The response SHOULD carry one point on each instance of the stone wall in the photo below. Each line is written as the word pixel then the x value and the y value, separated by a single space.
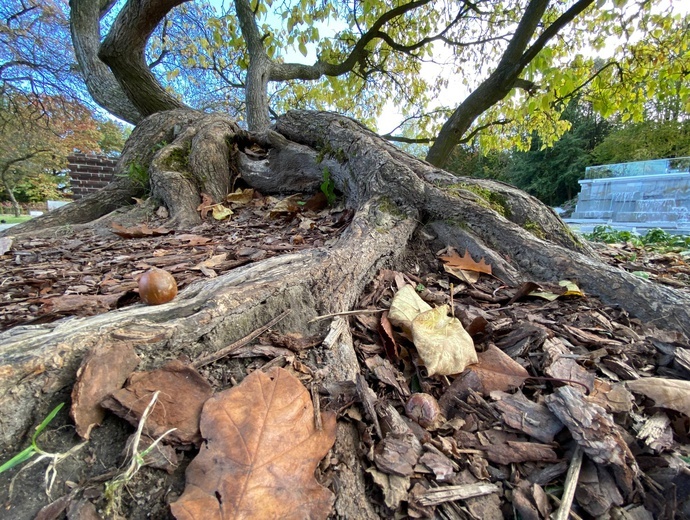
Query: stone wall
pixel 655 200
pixel 89 173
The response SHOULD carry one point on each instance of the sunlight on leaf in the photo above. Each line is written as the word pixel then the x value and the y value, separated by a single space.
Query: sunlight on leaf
pixel 261 450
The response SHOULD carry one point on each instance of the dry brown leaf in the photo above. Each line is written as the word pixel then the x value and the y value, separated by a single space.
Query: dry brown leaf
pixel 103 371
pixel 140 231
pixel 466 262
pixel 286 205
pixel 496 370
pixel 261 452
pixel 405 307
pixel 463 275
pixel 183 392
pixel 667 393
pixel 442 342
pixel 193 240
pixel 206 205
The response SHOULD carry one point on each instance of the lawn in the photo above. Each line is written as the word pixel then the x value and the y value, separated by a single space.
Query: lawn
pixel 11 219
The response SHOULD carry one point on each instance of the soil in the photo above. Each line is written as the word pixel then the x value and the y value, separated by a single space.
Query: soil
pixel 605 342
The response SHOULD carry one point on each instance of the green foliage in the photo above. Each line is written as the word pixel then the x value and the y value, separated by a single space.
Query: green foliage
pixel 113 137
pixel 645 140
pixel 138 174
pixel 33 448
pixel 655 239
pixel 328 186
pixel 41 187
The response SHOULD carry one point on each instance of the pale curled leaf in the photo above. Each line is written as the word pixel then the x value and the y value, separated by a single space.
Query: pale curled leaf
pixel 442 342
pixel 221 212
pixel 667 393
pixel 405 307
pixel 260 455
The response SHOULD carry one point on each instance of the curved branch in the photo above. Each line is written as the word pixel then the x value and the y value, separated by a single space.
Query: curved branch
pixel 123 51
pixel 100 82
pixel 504 78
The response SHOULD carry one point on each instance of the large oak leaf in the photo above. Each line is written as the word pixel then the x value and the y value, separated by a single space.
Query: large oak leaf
pixel 260 455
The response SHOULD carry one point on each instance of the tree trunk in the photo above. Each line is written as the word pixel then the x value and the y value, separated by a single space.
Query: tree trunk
pixel 8 189
pixel 394 197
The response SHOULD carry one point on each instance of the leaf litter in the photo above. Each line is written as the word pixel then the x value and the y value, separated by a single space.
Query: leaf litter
pixel 560 395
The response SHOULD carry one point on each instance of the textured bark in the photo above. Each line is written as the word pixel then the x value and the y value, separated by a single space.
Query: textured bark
pixel 393 195
pixel 123 51
pixel 85 17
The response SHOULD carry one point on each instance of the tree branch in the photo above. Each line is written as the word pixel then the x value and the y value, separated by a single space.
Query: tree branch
pixel 123 51
pixel 100 82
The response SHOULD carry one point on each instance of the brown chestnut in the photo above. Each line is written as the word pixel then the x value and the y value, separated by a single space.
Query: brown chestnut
pixel 157 286
pixel 424 410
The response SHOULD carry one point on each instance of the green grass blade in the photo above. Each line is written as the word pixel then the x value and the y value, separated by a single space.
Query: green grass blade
pixel 46 421
pixel 18 459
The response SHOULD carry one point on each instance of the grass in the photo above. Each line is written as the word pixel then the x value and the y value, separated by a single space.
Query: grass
pixel 11 219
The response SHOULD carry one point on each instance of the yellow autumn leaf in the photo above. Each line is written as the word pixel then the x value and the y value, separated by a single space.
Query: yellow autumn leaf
pixel 442 342
pixel 221 212
pixel 405 307
pixel 240 196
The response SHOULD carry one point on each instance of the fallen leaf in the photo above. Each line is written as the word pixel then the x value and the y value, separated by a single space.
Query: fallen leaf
pixel 495 370
pixel 205 206
pixel 260 454
pixel 221 212
pixel 462 274
pixel 442 342
pixel 405 307
pixel 102 372
pixel 566 288
pixel 466 262
pixel 240 197
pixel 183 392
pixel 287 205
pixel 212 262
pixel 193 240
pixel 667 393
pixel 140 231
pixel 385 331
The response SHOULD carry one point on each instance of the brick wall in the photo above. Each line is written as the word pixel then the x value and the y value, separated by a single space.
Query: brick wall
pixel 89 173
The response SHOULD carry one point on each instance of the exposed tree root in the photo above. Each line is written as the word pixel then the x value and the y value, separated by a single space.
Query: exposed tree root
pixel 394 195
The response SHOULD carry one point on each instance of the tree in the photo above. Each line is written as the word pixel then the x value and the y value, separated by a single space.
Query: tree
pixel 391 193
pixel 551 173
pixel 37 133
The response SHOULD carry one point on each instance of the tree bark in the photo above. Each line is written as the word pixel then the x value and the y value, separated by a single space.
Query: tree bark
pixel 85 16
pixel 394 196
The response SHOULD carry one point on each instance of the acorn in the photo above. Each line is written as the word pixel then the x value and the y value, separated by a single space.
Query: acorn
pixel 424 410
pixel 157 286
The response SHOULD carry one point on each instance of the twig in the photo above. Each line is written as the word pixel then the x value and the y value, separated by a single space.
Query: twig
pixel 347 313
pixel 570 485
pixel 557 500
pixel 219 354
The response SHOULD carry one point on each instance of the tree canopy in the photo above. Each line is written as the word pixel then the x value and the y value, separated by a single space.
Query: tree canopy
pixel 519 65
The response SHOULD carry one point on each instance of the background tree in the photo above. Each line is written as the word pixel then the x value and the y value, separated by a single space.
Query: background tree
pixel 36 136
